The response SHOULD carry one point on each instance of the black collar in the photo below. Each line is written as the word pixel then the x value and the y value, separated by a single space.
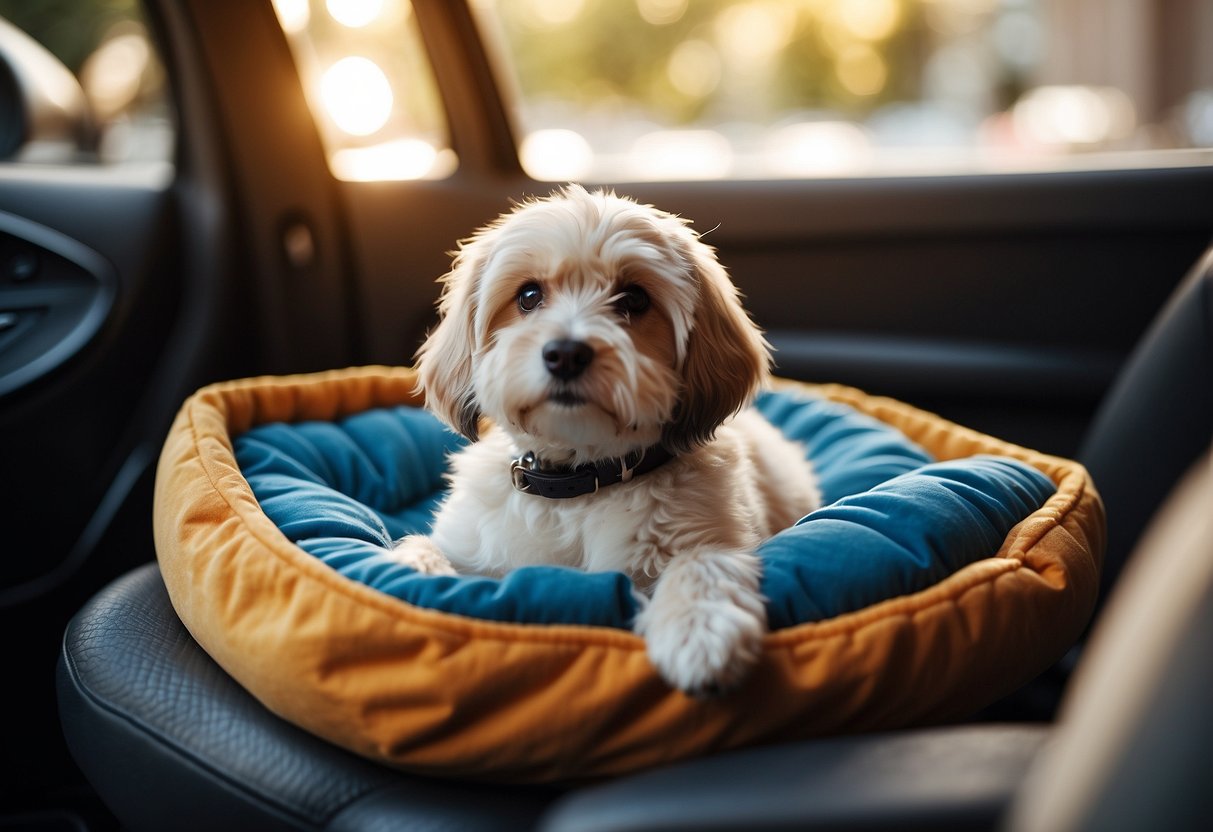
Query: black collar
pixel 563 482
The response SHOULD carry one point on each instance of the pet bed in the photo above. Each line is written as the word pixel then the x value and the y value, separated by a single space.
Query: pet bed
pixel 945 569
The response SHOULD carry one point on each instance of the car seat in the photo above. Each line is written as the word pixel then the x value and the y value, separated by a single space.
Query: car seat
pixel 168 740
pixel 1156 419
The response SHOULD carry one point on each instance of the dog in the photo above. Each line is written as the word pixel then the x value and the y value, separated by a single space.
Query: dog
pixel 599 355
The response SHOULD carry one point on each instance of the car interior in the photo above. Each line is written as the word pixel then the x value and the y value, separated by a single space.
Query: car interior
pixel 222 232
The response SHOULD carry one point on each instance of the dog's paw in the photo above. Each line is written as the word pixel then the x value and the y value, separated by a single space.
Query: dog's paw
pixel 419 552
pixel 704 647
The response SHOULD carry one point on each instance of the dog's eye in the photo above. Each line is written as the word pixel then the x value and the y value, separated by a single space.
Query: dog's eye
pixel 631 300
pixel 529 297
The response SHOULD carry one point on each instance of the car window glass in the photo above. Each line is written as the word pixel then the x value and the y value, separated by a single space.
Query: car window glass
pixel 109 66
pixel 370 86
pixel 706 89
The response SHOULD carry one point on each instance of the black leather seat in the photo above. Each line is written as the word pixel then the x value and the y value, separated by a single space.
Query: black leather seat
pixel 171 742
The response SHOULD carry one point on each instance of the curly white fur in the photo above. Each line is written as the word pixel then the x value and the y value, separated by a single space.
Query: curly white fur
pixel 679 371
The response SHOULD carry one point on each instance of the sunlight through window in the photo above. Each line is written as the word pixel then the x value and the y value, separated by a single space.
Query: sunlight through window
pixel 357 96
pixel 371 88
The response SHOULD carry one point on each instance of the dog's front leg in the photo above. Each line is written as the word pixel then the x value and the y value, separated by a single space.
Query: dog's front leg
pixel 705 623
pixel 421 553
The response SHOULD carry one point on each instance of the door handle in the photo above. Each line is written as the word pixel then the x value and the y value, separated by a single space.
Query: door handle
pixel 55 294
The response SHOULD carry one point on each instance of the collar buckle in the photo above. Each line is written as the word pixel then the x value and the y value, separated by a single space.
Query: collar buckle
pixel 518 469
pixel 625 472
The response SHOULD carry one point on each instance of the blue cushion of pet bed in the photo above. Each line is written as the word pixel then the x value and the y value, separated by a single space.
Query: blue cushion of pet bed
pixel 893 521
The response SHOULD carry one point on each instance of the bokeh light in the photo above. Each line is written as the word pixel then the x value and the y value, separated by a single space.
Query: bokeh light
pixel 1074 115
pixel 398 159
pixel 356 95
pixel 682 155
pixel 661 12
pixel 753 33
pixel 826 148
pixel 870 20
pixel 354 13
pixel 113 74
pixel 694 68
pixel 556 155
pixel 861 70
pixel 554 13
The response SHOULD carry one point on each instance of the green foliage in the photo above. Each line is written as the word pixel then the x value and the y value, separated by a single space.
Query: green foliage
pixel 607 52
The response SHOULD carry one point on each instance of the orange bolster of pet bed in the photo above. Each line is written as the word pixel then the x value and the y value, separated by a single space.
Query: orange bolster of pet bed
pixel 444 694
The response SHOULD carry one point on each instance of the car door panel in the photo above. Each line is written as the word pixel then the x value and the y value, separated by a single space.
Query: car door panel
pixel 118 233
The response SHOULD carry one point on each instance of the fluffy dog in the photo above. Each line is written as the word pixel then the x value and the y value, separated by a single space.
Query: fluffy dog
pixel 614 362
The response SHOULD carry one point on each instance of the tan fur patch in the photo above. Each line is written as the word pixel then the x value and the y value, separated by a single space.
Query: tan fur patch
pixel 506 314
pixel 653 335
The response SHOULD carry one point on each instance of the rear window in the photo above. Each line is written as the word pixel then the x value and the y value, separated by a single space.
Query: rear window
pixel 707 89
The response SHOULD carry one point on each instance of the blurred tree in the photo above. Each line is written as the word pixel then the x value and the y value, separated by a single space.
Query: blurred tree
pixel 752 60
pixel 69 29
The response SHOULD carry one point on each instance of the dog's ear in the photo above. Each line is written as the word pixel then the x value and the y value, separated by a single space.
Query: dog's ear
pixel 444 361
pixel 727 359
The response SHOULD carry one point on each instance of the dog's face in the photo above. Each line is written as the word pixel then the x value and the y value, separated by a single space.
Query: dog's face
pixel 587 326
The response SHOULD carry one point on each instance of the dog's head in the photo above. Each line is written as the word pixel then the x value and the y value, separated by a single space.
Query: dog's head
pixel 587 326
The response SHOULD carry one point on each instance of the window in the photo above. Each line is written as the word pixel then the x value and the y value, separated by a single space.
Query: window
pixel 96 71
pixel 370 86
pixel 613 90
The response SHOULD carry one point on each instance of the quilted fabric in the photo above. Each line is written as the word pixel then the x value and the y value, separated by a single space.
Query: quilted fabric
pixel 455 695
pixel 343 491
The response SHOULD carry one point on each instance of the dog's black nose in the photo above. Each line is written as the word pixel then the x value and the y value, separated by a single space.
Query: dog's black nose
pixel 566 358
